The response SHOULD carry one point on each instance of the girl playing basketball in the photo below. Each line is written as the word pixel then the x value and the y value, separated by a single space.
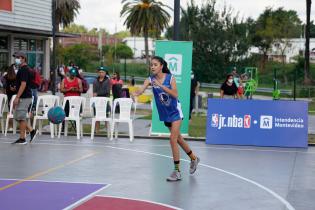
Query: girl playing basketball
pixel 169 109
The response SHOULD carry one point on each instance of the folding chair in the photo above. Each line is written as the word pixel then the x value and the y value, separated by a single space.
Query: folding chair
pixel 124 115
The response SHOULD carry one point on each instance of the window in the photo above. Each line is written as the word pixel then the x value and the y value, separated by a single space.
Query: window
pixel 4 53
pixel 6 5
pixel 4 43
pixel 34 48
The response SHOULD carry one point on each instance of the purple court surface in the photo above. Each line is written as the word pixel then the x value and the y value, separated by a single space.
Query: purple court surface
pixel 73 173
pixel 31 195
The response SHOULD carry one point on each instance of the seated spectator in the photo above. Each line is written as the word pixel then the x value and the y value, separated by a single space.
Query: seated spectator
pixel 228 88
pixel 71 86
pixel 101 88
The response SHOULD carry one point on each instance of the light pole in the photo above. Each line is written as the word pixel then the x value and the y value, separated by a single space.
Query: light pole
pixel 176 19
pixel 53 65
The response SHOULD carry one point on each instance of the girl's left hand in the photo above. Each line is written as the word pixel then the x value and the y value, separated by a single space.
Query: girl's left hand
pixel 156 83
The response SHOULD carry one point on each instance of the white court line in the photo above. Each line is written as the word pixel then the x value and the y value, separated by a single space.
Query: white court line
pixel 85 198
pixel 274 194
pixel 146 201
pixel 167 145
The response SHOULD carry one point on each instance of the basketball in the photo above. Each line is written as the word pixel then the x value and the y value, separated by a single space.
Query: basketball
pixel 56 115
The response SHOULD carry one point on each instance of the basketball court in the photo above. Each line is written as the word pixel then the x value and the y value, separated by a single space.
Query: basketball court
pixel 71 174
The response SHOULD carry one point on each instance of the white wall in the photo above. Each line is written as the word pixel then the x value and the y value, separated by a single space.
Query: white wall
pixel 32 14
pixel 137 45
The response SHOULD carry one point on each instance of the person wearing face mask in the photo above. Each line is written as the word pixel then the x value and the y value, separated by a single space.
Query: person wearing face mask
pixel 228 88
pixel 23 99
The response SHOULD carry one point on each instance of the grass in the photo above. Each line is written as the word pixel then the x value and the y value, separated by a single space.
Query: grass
pixel 311 138
pixel 197 126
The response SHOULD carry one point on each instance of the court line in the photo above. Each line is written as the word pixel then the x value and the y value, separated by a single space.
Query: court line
pixel 48 171
pixel 167 145
pixel 274 194
pixel 85 198
pixel 146 201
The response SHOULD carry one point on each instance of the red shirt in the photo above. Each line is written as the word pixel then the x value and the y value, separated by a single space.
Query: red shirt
pixel 69 84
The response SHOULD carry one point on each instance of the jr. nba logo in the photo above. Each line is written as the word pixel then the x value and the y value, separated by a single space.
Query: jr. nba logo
pixel 215 120
pixel 246 121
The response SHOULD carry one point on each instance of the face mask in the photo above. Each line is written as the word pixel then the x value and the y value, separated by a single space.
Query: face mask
pixel 230 80
pixel 15 70
pixel 17 61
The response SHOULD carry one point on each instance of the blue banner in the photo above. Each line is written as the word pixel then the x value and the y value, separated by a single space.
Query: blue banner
pixel 257 122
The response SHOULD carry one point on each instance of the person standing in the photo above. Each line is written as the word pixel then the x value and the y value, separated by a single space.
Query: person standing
pixel 23 99
pixel 101 88
pixel 10 83
pixel 169 109
pixel 193 92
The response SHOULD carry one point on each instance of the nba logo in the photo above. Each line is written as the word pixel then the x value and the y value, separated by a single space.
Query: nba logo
pixel 215 120
pixel 247 121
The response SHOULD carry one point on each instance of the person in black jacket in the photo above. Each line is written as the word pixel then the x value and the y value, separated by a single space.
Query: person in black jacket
pixel 228 88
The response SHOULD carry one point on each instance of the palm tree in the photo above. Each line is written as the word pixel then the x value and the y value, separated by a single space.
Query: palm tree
pixel 66 11
pixel 143 16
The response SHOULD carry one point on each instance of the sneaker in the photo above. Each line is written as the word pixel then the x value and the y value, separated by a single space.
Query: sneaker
pixel 193 165
pixel 175 176
pixel 33 133
pixel 20 141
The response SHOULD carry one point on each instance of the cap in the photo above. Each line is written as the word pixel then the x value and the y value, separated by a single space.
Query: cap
pixel 73 72
pixel 19 54
pixel 102 68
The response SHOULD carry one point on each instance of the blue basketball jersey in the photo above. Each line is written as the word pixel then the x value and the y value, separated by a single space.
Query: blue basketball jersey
pixel 168 107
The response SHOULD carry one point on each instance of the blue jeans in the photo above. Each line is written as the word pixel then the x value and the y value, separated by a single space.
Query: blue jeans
pixel 34 94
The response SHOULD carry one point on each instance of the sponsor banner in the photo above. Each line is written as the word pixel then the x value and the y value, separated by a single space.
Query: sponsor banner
pixel 257 122
pixel 178 56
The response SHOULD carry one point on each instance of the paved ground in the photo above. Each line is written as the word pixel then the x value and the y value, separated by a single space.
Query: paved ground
pixel 229 177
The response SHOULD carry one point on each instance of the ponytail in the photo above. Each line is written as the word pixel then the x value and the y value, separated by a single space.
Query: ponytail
pixel 164 63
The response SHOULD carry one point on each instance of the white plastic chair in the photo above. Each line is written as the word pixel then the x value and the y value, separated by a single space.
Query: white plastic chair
pixel 3 103
pixel 11 116
pixel 48 101
pixel 125 105
pixel 100 105
pixel 75 104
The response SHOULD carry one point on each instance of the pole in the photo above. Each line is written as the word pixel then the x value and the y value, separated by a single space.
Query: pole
pixel 294 85
pixel 176 19
pixel 125 69
pixel 53 66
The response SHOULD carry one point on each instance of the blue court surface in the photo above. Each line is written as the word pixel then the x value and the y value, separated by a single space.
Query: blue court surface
pixel 85 175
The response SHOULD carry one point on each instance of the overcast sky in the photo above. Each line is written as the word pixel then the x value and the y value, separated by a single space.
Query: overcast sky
pixel 106 13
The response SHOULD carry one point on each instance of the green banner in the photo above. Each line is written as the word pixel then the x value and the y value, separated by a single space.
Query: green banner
pixel 178 55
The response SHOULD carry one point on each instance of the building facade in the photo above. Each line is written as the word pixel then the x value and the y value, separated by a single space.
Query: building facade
pixel 137 46
pixel 88 39
pixel 26 26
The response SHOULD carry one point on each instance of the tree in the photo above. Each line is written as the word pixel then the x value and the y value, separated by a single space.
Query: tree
pixel 276 27
pixel 220 39
pixel 66 11
pixel 80 54
pixel 123 51
pixel 74 28
pixel 122 34
pixel 143 16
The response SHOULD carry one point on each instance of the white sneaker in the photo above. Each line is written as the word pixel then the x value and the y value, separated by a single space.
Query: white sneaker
pixel 193 165
pixel 175 176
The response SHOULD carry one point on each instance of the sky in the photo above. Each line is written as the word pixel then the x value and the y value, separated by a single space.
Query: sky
pixel 106 13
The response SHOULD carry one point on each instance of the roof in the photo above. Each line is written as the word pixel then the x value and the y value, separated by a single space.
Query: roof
pixel 21 30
